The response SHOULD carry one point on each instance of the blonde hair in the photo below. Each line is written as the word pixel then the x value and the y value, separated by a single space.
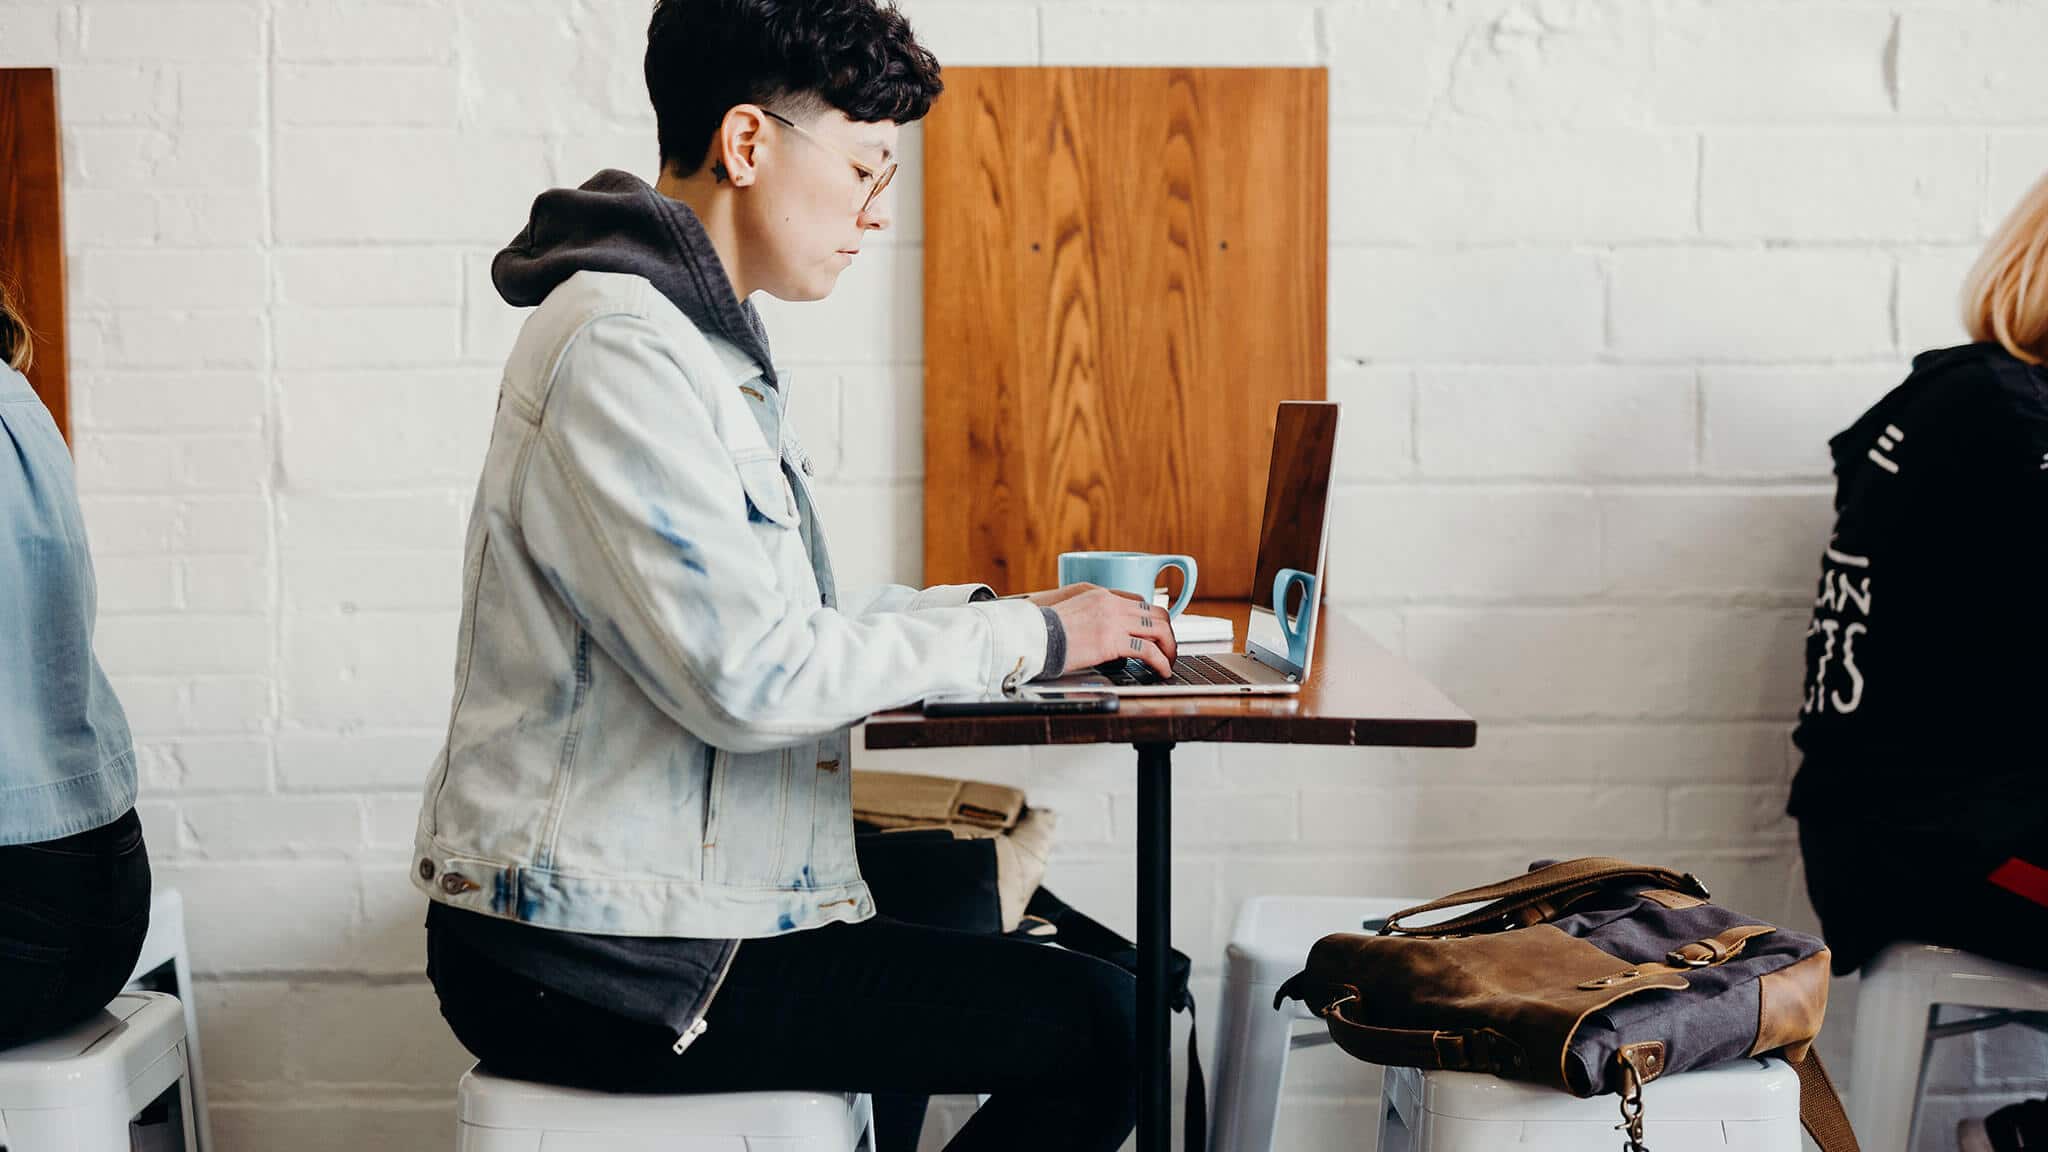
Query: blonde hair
pixel 2006 296
pixel 15 351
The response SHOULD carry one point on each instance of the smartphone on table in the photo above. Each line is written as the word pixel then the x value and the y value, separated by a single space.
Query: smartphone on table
pixel 1042 703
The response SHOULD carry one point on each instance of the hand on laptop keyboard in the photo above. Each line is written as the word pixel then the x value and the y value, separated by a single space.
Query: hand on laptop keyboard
pixel 1200 670
pixel 1101 624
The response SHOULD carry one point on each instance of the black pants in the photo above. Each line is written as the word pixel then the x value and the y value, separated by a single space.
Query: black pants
pixel 1873 884
pixel 73 913
pixel 880 1007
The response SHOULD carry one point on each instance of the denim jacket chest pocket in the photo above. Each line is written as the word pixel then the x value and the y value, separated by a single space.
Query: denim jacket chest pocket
pixel 769 500
pixel 772 515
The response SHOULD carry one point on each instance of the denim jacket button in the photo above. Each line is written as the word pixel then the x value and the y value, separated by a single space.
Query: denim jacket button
pixel 426 869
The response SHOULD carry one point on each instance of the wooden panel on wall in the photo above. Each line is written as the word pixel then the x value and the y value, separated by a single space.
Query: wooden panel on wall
pixel 1124 274
pixel 32 225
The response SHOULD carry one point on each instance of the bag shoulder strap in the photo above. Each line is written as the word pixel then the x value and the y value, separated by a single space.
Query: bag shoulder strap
pixel 1544 885
pixel 1820 1108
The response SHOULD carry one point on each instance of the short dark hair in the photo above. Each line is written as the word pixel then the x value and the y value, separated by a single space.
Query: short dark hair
pixel 705 56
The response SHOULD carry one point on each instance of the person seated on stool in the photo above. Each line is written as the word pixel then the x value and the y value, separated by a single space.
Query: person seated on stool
pixel 638 839
pixel 1922 797
pixel 74 875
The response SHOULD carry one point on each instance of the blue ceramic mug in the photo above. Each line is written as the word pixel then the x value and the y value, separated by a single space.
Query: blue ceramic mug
pixel 1133 572
pixel 1297 626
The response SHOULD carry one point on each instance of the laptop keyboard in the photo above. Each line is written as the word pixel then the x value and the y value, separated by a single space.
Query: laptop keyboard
pixel 1202 670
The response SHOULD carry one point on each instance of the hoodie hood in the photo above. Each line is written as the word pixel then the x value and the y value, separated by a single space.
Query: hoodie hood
pixel 617 222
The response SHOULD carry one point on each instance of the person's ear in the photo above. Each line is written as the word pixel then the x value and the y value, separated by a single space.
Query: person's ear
pixel 739 135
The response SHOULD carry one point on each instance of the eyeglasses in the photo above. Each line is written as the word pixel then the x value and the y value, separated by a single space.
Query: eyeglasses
pixel 880 177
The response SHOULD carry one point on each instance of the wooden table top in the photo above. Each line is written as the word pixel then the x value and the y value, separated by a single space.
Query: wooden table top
pixel 1358 693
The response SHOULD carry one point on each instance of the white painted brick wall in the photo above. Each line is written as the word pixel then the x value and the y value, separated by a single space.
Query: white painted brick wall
pixel 1750 304
pixel 1843 185
pixel 1775 63
pixel 1605 275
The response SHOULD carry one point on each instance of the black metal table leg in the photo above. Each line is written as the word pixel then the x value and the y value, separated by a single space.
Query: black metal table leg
pixel 1155 942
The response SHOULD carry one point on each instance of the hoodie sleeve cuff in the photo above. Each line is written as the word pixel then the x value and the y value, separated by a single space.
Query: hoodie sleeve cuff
pixel 1055 647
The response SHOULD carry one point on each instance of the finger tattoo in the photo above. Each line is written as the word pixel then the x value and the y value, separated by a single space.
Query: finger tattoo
pixel 1137 645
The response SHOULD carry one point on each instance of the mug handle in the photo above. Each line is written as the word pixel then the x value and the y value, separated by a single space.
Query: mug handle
pixel 1295 626
pixel 1186 564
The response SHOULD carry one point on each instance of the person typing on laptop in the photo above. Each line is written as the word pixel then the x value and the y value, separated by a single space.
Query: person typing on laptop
pixel 638 839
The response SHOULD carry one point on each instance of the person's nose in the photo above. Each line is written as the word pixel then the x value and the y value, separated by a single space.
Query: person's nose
pixel 875 217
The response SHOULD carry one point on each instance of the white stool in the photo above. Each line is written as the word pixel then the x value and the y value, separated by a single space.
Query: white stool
pixel 81 1090
pixel 1902 986
pixel 1747 1104
pixel 164 967
pixel 495 1114
pixel 1268 945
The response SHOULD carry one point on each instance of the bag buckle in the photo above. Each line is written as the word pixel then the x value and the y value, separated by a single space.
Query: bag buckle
pixel 1715 951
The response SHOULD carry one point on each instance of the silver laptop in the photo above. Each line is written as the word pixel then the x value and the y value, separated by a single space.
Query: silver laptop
pixel 1294 535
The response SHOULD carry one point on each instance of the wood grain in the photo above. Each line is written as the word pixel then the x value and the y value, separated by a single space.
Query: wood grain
pixel 1124 275
pixel 1358 694
pixel 32 226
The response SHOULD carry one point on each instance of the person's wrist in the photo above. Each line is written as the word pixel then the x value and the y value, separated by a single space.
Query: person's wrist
pixel 1055 646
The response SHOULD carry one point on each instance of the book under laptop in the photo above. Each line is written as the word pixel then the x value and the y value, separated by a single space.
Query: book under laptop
pixel 1293 540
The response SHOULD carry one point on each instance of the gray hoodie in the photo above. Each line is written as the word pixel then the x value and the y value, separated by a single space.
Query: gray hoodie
pixel 617 222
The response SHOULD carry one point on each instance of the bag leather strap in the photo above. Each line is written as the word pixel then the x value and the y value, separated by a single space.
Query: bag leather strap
pixel 1820 1108
pixel 1555 885
pixel 1482 1051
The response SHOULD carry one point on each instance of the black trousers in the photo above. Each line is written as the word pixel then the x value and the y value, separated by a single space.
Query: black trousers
pixel 73 913
pixel 1873 884
pixel 880 1007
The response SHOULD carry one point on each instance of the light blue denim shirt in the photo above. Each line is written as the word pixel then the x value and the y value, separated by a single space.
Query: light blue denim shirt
pixel 66 763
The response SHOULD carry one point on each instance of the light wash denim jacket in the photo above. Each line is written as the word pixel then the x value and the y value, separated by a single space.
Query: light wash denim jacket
pixel 652 712
pixel 66 764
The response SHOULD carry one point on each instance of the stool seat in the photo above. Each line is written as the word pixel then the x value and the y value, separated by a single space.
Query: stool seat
pixel 95 1059
pixel 77 1090
pixel 1751 1104
pixel 497 1112
pixel 1895 1028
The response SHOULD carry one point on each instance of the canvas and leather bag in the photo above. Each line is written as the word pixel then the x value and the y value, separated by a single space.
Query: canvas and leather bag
pixel 1592 975
pixel 1021 835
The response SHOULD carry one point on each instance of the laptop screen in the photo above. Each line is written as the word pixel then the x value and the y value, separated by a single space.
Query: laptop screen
pixel 1292 531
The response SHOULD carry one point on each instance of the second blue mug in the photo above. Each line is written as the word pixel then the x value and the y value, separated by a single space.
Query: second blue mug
pixel 1298 625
